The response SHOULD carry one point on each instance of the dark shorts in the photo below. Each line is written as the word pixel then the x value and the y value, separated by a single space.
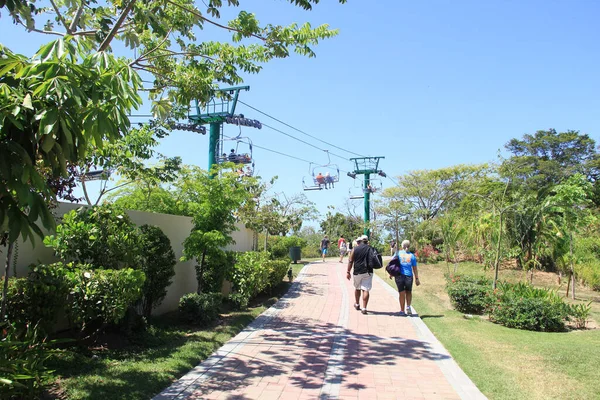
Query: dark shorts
pixel 404 283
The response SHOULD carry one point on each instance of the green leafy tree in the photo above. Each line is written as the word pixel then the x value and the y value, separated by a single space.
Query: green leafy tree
pixel 212 199
pixel 158 264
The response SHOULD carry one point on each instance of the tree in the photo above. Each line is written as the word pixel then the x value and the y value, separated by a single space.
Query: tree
pixel 336 224
pixel 393 212
pixel 211 199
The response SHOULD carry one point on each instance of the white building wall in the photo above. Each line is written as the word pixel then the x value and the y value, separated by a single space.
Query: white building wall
pixel 177 229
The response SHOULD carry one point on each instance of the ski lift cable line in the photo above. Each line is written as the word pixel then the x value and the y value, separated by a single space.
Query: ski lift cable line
pixel 298 130
pixel 283 154
pixel 305 142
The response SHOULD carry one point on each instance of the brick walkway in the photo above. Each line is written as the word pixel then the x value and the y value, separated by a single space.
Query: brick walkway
pixel 313 344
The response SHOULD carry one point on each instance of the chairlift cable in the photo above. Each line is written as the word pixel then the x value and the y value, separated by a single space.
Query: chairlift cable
pixel 298 130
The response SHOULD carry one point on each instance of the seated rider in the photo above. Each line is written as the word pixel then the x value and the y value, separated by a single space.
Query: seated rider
pixel 320 179
pixel 232 156
pixel 328 180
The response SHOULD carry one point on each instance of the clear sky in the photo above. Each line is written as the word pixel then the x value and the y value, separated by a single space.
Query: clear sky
pixel 426 84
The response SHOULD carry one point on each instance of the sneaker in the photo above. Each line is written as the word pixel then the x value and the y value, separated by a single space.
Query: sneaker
pixel 364 311
pixel 408 310
pixel 357 307
pixel 402 314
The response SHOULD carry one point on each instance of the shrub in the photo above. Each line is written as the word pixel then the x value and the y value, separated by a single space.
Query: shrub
pixel 589 273
pixel 534 314
pixel 580 314
pixel 23 354
pixel 158 264
pixel 238 301
pixel 249 275
pixel 102 236
pixel 200 309
pixel 216 269
pixel 279 246
pixel 37 299
pixel 469 294
pixel 103 296
pixel 277 270
pixel 427 254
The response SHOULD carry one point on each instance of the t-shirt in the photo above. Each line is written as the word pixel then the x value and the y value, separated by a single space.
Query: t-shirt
pixel 324 243
pixel 407 262
pixel 359 257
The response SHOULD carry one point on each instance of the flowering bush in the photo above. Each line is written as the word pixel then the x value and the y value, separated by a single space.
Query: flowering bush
pixel 427 254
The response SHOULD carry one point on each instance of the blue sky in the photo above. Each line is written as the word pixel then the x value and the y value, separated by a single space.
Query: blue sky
pixel 426 84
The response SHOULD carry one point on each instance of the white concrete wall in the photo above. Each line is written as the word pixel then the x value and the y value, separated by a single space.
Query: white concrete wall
pixel 177 229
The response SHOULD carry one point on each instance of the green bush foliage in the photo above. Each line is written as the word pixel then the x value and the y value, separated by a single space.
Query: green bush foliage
pixel 37 299
pixel 216 269
pixel 469 294
pixel 277 270
pixel 534 314
pixel 238 301
pixel 158 264
pixel 103 296
pixel 589 273
pixel 102 236
pixel 249 275
pixel 580 314
pixel 279 246
pixel 23 353
pixel 200 309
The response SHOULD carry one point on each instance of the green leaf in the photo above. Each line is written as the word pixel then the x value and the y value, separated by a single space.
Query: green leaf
pixel 27 102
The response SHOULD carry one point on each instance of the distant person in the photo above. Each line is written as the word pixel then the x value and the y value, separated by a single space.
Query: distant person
pixel 324 246
pixel 392 248
pixel 328 180
pixel 404 281
pixel 320 179
pixel 343 247
pixel 362 275
pixel 232 156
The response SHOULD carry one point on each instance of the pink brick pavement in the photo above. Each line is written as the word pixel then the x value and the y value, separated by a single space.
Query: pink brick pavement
pixel 314 345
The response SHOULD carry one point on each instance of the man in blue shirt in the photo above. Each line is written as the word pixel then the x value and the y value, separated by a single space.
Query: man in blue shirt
pixel 404 281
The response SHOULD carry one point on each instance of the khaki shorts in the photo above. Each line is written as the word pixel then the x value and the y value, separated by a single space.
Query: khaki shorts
pixel 363 282
pixel 343 251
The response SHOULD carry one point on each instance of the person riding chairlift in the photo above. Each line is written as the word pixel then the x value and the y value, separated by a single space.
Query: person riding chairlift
pixel 320 179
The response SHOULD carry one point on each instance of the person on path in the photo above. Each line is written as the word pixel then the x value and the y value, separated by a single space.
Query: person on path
pixel 392 248
pixel 324 246
pixel 343 246
pixel 363 275
pixel 404 281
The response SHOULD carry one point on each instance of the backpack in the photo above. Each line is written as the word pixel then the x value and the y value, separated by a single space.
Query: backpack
pixel 393 268
pixel 374 260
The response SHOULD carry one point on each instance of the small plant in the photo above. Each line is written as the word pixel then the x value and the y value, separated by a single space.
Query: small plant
pixel 580 313
pixel 23 354
pixel 277 270
pixel 249 275
pixel 200 309
pixel 427 254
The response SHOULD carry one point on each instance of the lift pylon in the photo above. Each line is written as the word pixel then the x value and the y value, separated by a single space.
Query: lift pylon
pixel 366 166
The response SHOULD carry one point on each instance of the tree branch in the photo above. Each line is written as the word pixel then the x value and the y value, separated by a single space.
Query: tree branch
pixel 203 18
pixel 60 17
pixel 77 17
pixel 41 31
pixel 111 35
pixel 143 56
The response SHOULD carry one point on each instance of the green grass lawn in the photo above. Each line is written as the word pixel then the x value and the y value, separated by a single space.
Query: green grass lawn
pixel 153 360
pixel 509 363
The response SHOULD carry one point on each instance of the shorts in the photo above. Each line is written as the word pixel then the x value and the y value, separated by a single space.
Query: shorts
pixel 324 251
pixel 404 283
pixel 363 282
pixel 343 251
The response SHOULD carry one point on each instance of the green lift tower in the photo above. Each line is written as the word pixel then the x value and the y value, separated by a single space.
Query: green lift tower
pixel 220 109
pixel 367 166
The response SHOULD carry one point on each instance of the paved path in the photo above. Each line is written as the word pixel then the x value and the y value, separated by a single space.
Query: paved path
pixel 313 344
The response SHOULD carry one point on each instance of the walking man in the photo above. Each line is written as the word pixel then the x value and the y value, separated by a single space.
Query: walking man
pixel 363 275
pixel 404 281
pixel 324 246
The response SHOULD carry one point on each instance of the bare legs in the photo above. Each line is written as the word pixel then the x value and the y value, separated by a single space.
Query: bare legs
pixel 404 297
pixel 365 297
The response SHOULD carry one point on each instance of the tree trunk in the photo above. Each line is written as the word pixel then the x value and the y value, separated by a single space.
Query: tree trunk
pixel 568 286
pixel 6 271
pixel 266 237
pixel 497 258
pixel 531 276
pixel 559 277
pixel 200 272
pixel 85 193
pixel 572 267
